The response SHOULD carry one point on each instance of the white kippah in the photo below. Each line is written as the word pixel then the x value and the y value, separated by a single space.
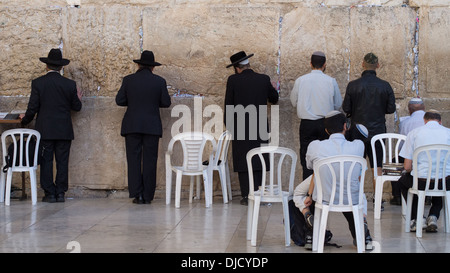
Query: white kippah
pixel 332 113
pixel 363 130
pixel 416 101
pixel 244 62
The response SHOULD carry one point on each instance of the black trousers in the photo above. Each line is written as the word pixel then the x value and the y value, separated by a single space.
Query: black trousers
pixel 309 131
pixel 244 182
pixel 406 182
pixel 142 157
pixel 60 150
pixel 348 216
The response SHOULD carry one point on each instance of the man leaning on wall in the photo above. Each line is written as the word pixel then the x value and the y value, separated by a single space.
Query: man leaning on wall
pixel 52 98
pixel 367 100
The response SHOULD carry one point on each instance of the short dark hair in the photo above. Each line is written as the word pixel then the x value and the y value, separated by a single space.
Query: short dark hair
pixel 54 67
pixel 318 61
pixel 432 115
pixel 335 124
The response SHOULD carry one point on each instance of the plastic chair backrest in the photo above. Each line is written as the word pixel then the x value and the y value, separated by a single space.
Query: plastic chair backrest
pixel 193 144
pixel 391 152
pixel 342 170
pixel 272 188
pixel 222 148
pixel 441 153
pixel 17 137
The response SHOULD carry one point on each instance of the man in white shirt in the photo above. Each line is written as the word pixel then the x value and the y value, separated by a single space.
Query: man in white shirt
pixel 431 133
pixel 336 126
pixel 314 94
pixel 416 111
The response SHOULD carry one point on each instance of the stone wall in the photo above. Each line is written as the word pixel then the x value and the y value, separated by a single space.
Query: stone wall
pixel 194 40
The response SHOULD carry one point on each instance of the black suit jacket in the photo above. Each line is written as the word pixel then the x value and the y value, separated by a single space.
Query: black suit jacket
pixel 52 98
pixel 144 93
pixel 248 89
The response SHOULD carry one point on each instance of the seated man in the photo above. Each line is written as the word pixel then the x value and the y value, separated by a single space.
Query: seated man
pixel 430 133
pixel 416 109
pixel 336 127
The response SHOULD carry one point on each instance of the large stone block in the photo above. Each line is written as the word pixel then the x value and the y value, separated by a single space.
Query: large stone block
pixel 101 43
pixel 389 33
pixel 97 159
pixel 305 30
pixel 434 52
pixel 26 35
pixel 195 42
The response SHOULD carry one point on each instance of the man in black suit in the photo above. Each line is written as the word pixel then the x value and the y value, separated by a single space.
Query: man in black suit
pixel 251 90
pixel 143 93
pixel 52 98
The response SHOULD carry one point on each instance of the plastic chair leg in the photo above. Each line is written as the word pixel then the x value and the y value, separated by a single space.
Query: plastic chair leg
pixel 255 220
pixel 178 189
pixel 168 184
pixel 33 186
pixel 446 212
pixel 249 218
pixel 223 183
pixel 287 224
pixel 322 229
pixel 419 217
pixel 227 171
pixel 207 182
pixel 317 217
pixel 359 229
pixel 378 196
pixel 8 187
pixel 191 189
pixel 2 186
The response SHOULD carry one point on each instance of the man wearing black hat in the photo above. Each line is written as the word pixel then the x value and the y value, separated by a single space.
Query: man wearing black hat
pixel 52 98
pixel 247 90
pixel 367 100
pixel 143 93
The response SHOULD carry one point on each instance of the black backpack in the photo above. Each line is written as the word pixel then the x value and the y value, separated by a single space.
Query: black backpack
pixel 297 224
pixel 9 156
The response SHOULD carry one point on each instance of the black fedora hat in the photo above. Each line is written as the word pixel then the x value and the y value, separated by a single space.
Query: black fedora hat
pixel 55 58
pixel 147 58
pixel 238 57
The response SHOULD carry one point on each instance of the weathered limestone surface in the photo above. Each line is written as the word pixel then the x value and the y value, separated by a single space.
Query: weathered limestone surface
pixel 195 42
pixel 194 39
pixel 25 35
pixel 101 42
pixel 434 37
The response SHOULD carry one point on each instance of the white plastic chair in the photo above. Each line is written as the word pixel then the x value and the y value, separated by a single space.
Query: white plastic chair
pixel 392 141
pixel 272 190
pixel 220 164
pixel 17 137
pixel 341 169
pixel 440 152
pixel 193 145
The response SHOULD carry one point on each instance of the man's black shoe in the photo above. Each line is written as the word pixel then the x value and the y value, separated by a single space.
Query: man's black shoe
pixel 60 197
pixel 244 201
pixel 49 198
pixel 139 199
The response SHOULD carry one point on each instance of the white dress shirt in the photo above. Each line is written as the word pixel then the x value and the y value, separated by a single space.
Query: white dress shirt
pixel 430 133
pixel 409 123
pixel 315 94
pixel 335 145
